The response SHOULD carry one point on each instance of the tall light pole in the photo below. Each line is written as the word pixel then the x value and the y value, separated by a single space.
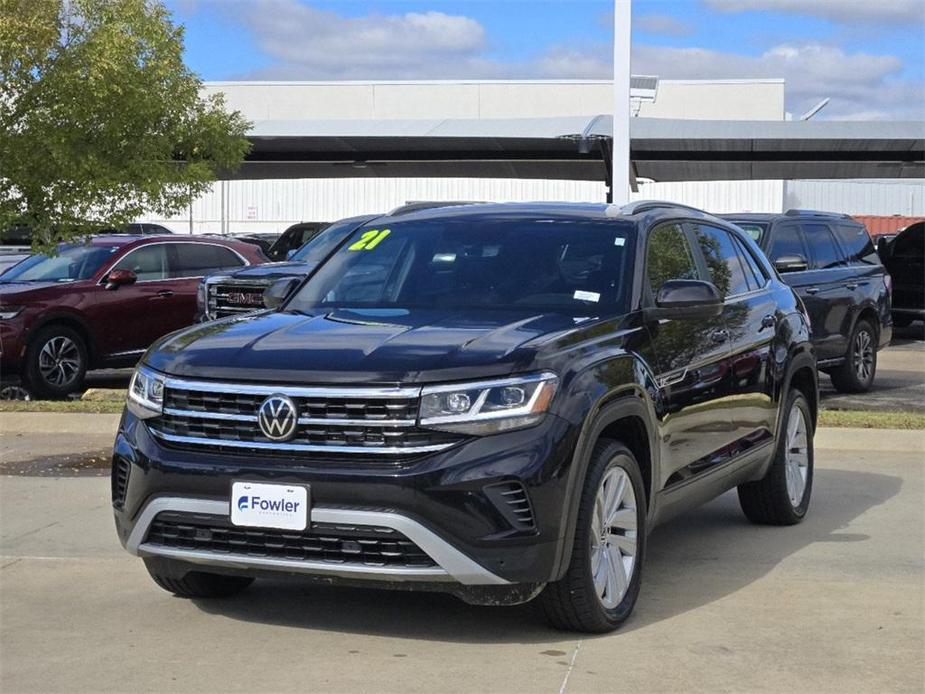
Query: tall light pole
pixel 622 44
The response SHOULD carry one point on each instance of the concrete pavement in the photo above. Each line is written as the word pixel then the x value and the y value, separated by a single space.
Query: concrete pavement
pixel 835 604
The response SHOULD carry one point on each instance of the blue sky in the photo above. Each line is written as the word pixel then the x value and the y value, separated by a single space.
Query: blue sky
pixel 867 55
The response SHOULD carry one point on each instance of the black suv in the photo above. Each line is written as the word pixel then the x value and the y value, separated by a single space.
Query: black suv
pixel 904 257
pixel 241 291
pixel 831 262
pixel 498 401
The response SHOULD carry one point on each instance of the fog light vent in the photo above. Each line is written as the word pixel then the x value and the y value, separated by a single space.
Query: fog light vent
pixel 512 501
pixel 120 472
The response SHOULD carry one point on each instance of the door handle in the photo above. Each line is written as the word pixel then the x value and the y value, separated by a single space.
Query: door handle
pixel 812 290
pixel 719 336
pixel 768 321
pixel 165 293
pixel 851 285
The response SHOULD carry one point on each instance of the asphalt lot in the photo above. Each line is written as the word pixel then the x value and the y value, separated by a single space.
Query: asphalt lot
pixel 835 604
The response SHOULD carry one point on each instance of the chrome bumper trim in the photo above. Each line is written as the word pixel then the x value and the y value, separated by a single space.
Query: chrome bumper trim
pixel 452 565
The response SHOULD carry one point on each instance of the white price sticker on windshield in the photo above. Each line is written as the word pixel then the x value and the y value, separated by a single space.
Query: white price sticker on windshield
pixel 582 295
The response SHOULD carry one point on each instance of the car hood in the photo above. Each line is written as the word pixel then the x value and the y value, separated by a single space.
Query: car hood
pixel 358 346
pixel 12 292
pixel 271 271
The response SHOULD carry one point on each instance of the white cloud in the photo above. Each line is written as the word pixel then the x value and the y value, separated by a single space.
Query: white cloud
pixel 317 44
pixel 664 24
pixel 862 86
pixel 842 11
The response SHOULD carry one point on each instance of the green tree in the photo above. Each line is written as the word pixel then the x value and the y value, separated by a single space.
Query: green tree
pixel 100 120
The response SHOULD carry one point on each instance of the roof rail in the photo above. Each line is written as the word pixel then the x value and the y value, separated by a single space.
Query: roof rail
pixel 816 213
pixel 414 206
pixel 645 205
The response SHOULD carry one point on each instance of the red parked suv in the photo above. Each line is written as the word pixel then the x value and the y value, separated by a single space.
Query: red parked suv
pixel 100 304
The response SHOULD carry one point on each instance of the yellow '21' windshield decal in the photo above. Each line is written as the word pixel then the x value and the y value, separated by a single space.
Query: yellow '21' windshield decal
pixel 369 240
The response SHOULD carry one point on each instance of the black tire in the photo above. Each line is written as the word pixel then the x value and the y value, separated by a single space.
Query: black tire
pixel 63 380
pixel 572 603
pixel 199 584
pixel 862 347
pixel 767 501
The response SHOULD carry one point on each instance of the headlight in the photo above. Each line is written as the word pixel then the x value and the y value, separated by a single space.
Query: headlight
pixel 146 393
pixel 488 407
pixel 10 312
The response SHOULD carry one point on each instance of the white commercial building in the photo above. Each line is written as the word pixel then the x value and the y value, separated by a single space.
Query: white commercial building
pixel 271 205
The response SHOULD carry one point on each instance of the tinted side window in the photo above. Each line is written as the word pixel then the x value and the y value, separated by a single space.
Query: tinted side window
pixel 786 240
pixel 756 276
pixel 669 257
pixel 856 242
pixel 198 259
pixel 826 253
pixel 147 262
pixel 722 257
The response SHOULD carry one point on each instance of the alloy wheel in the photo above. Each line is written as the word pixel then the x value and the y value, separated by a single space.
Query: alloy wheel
pixel 863 355
pixel 59 361
pixel 797 459
pixel 613 537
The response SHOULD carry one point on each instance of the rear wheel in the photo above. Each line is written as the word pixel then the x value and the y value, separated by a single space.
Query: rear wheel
pixel 56 362
pixel 782 496
pixel 856 375
pixel 197 584
pixel 600 588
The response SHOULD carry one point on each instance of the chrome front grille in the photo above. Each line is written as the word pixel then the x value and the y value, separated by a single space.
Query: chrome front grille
pixel 332 422
pixel 233 297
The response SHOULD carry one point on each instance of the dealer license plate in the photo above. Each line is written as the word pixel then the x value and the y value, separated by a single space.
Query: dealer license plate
pixel 258 505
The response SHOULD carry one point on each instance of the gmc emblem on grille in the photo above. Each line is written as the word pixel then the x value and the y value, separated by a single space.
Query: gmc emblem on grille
pixel 246 298
pixel 278 417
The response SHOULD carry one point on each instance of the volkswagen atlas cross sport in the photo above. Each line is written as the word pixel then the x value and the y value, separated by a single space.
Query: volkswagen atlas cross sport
pixel 497 401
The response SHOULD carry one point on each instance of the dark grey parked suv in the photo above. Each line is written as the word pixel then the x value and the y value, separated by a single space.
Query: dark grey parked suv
pixel 831 262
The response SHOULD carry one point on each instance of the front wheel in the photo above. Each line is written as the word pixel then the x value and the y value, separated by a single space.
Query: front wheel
pixel 856 375
pixel 600 588
pixel 56 362
pixel 782 496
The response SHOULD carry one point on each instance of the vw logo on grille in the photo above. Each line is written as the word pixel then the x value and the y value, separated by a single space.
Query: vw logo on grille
pixel 278 417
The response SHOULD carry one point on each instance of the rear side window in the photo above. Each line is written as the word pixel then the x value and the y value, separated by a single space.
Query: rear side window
pixel 722 258
pixel 669 257
pixel 198 259
pixel 857 244
pixel 786 240
pixel 826 253
pixel 753 271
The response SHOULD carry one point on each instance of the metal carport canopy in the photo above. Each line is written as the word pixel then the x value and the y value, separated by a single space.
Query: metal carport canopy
pixel 578 148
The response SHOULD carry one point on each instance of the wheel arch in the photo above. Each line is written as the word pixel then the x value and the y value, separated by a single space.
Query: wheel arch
pixel 627 416
pixel 73 322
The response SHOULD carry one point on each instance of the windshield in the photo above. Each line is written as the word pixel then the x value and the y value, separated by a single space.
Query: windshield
pixel 564 265
pixel 320 247
pixel 72 263
pixel 754 229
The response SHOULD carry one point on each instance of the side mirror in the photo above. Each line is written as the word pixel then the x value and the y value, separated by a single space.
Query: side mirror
pixel 290 253
pixel 791 263
pixel 687 299
pixel 279 291
pixel 117 278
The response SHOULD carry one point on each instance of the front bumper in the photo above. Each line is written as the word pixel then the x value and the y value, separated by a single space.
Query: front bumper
pixel 438 502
